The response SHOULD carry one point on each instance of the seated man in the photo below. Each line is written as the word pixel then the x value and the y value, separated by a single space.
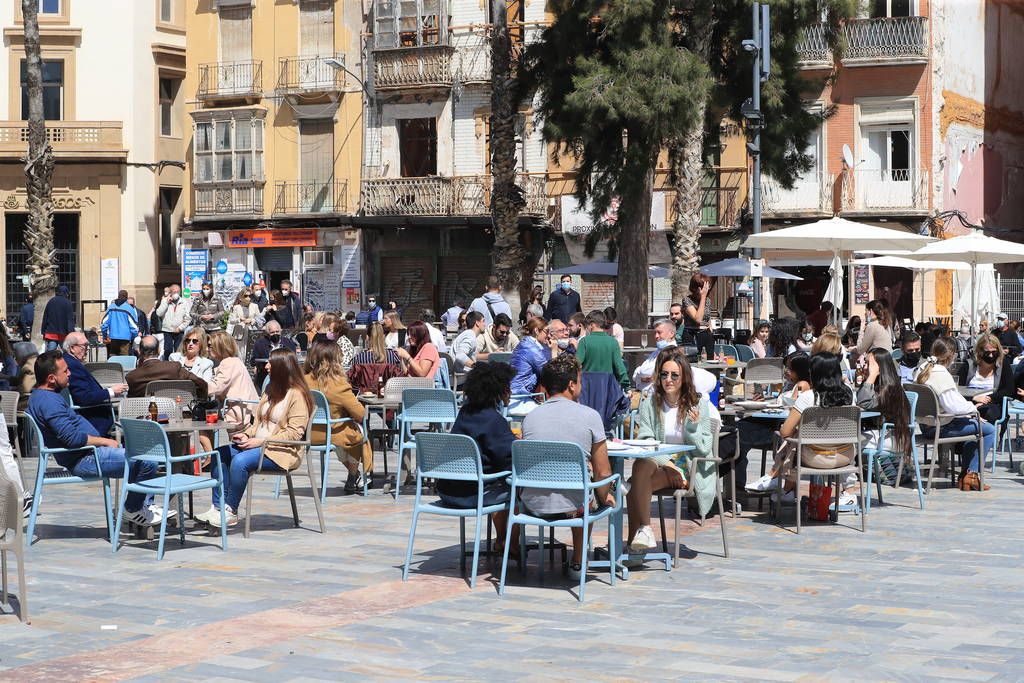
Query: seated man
pixel 562 418
pixel 92 399
pixel 63 428
pixel 270 339
pixel 497 338
pixel 664 337
pixel 465 345
pixel 908 364
pixel 559 333
pixel 599 352
pixel 151 368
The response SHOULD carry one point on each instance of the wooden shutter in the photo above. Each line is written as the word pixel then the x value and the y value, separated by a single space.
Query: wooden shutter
pixel 236 34
pixel 316 28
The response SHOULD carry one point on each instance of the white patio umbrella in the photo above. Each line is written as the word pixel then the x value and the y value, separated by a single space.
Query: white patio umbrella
pixel 836 235
pixel 911 264
pixel 834 293
pixel 986 293
pixel 973 249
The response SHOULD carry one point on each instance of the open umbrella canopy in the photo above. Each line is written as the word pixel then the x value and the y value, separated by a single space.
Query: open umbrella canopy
pixel 740 267
pixel 836 235
pixel 901 262
pixel 604 268
pixel 973 249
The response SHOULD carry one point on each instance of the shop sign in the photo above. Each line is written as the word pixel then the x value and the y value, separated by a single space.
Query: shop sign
pixel 278 237
pixel 194 265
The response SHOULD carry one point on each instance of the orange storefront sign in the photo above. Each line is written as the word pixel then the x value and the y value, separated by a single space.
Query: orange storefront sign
pixel 276 237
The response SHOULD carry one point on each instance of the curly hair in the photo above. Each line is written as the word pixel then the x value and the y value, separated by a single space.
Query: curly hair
pixel 558 372
pixel 486 386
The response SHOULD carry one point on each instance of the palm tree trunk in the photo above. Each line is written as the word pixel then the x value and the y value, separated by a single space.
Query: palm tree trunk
pixel 39 164
pixel 510 258
pixel 688 178
pixel 631 285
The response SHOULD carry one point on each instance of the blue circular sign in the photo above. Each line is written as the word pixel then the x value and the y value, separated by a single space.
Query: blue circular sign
pixel 247 279
pixel 222 266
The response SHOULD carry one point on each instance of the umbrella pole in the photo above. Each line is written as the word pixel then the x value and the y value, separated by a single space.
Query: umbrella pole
pixel 974 298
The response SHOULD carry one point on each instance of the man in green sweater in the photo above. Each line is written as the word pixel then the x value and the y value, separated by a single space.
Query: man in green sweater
pixel 599 352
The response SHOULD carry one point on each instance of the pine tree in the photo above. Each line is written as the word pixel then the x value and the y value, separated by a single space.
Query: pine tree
pixel 614 91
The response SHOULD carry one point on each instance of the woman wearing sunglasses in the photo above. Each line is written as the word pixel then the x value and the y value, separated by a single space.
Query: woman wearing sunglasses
pixel 192 355
pixel 674 414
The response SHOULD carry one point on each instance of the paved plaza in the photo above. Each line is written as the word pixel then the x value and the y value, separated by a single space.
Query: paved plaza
pixel 923 595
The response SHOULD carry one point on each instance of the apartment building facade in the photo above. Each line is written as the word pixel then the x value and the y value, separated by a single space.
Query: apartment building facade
pixel 427 185
pixel 111 99
pixel 274 138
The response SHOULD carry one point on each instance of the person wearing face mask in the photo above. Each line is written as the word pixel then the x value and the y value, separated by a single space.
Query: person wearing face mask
pixel 664 337
pixel 878 331
pixel 208 310
pixel 259 296
pixel 1007 336
pixel 270 340
pixel 289 311
pixel 994 375
pixel 371 314
pixel 564 301
pixel 175 315
pixel 558 338
pixel 806 339
pixel 911 359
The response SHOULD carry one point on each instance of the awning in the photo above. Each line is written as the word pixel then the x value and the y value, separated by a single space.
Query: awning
pixel 658 252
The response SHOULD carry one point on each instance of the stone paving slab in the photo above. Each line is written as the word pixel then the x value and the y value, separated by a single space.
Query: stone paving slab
pixel 923 595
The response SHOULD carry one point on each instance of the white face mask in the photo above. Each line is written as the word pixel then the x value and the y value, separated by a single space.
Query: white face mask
pixel 175 297
pixel 807 336
pixel 663 343
pixel 563 344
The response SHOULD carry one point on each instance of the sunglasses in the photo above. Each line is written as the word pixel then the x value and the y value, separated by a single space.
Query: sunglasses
pixel 191 341
pixel 666 375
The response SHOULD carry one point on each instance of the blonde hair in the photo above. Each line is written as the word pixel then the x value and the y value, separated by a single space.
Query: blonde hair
pixel 222 346
pixel 375 342
pixel 833 329
pixel 198 332
pixel 396 320
pixel 828 342
pixel 988 340
pixel 943 353
pixel 324 363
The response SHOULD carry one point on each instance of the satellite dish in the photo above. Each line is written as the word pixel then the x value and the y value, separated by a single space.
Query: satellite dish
pixel 848 155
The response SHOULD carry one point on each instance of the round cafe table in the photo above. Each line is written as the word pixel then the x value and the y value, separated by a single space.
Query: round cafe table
pixel 193 427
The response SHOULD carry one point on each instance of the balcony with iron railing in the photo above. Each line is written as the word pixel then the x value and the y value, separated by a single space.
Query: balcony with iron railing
pixel 869 42
pixel 413 67
pixel 808 196
pixel 230 198
pixel 230 80
pixel 443 196
pixel 308 75
pixel 298 198
pixel 886 191
pixel 472 57
pixel 84 140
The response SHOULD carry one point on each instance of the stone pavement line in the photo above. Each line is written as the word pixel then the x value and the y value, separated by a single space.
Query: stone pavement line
pixel 154 655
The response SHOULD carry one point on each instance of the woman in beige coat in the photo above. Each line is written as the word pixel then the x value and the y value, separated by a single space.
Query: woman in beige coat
pixel 282 415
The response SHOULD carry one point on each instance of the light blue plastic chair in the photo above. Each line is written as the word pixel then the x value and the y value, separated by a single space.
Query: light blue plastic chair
pixel 47 476
pixel 146 440
pixel 873 455
pixel 561 466
pixel 322 417
pixel 499 357
pixel 454 457
pixel 727 349
pixel 744 353
pixel 1011 409
pixel 433 407
pixel 127 362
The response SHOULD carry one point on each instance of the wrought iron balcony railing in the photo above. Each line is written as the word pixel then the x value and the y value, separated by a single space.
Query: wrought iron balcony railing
pixel 229 198
pixel 415 67
pixel 884 40
pixel 230 79
pixel 310 197
pixel 310 74
pixel 440 196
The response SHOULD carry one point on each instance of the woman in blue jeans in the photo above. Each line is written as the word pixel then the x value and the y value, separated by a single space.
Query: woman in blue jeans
pixel 282 415
pixel 935 374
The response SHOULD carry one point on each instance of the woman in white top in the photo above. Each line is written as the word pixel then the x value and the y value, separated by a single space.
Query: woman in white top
pixel 392 324
pixel 961 413
pixel 192 354
pixel 243 317
pixel 806 338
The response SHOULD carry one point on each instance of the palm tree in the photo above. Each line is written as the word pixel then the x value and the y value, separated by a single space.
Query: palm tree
pixel 42 263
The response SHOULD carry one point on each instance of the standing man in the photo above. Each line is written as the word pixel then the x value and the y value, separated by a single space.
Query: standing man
pixel 174 316
pixel 491 303
pixel 372 313
pixel 26 316
pixel 450 318
pixel 141 317
pixel 564 301
pixel 120 325
pixel 259 296
pixel 599 352
pixel 464 346
pixel 291 312
pixel 58 318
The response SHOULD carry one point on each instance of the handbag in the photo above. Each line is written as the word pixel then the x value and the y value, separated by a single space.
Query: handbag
pixel 818 502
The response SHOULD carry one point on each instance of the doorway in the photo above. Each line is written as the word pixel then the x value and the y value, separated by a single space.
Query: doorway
pixel 896 286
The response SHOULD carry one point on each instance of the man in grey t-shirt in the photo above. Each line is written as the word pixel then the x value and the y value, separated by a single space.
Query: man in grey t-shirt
pixel 561 418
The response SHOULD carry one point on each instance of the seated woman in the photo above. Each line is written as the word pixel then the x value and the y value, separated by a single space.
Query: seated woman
pixel 760 433
pixel 806 338
pixel 334 328
pixel 673 414
pixel 231 379
pixel 192 354
pixel 934 373
pixel 282 414
pixel 325 372
pixel 421 359
pixel 828 389
pixel 527 361
pixel 758 342
pixel 486 388
pixel 376 350
pixel 883 391
pixel 994 374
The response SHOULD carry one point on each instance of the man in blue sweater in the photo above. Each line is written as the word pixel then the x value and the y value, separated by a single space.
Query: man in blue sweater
pixel 92 399
pixel 63 428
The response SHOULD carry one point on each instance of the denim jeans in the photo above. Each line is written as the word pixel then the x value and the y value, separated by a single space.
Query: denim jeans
pixel 111 464
pixel 963 426
pixel 238 465
pixel 171 342
pixel 51 344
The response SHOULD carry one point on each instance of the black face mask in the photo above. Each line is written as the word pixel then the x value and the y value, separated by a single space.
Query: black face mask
pixel 990 357
pixel 275 338
pixel 911 359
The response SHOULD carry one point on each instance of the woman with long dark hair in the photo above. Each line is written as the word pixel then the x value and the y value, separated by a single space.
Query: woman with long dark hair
pixel 852 331
pixel 882 390
pixel 782 338
pixel 282 415
pixel 878 332
pixel 758 342
pixel 422 358
pixel 697 314
pixel 673 414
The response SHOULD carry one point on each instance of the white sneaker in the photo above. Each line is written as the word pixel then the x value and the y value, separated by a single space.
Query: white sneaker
pixel 207 517
pixel 158 512
pixel 230 518
pixel 847 499
pixel 643 541
pixel 765 483
pixel 787 497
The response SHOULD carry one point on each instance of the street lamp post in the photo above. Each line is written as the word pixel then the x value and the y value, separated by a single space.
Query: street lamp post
pixel 760 46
